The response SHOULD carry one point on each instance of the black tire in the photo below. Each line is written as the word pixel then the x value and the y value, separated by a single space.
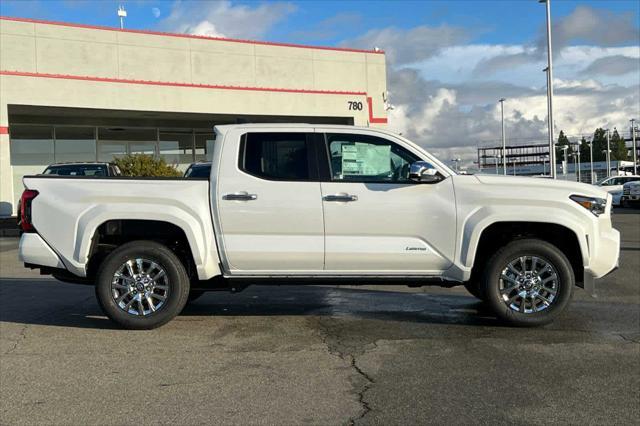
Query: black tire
pixel 194 295
pixel 473 287
pixel 178 284
pixel 528 247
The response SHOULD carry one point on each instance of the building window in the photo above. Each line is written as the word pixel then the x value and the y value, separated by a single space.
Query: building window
pixel 176 148
pixel 116 142
pixel 31 145
pixel 75 144
pixel 204 146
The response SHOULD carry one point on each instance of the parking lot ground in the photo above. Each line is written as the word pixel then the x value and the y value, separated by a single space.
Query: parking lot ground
pixel 320 355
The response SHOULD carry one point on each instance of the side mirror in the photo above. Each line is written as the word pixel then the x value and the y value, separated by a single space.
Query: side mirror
pixel 424 172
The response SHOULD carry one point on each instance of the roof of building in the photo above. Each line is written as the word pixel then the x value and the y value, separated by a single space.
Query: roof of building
pixel 182 35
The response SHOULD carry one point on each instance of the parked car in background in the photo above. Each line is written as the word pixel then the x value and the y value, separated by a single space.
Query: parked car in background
pixel 199 170
pixel 631 193
pixel 312 204
pixel 82 169
pixel 613 185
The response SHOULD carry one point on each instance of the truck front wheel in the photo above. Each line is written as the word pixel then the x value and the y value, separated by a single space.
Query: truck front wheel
pixel 142 285
pixel 528 282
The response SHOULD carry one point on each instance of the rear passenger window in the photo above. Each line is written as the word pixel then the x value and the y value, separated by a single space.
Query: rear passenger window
pixel 276 156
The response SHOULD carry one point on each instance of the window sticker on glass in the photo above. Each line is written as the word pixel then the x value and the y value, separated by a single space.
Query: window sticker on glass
pixel 363 159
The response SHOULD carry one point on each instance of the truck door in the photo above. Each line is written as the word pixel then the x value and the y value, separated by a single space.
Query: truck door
pixel 376 219
pixel 269 203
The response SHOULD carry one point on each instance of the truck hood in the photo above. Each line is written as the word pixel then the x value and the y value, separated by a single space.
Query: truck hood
pixel 511 183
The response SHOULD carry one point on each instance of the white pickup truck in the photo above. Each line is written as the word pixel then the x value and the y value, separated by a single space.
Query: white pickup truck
pixel 309 204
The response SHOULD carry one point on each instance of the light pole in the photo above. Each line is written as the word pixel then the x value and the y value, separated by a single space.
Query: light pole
pixel 579 165
pixel 549 70
pixel 497 158
pixel 608 153
pixel 514 166
pixel 456 161
pixel 122 14
pixel 566 164
pixel 544 166
pixel 504 140
pixel 591 157
pixel 635 148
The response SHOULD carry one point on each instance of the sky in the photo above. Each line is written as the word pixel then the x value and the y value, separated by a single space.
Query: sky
pixel 448 62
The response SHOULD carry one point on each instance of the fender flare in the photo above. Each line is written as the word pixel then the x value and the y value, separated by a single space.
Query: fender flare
pixel 198 234
pixel 483 217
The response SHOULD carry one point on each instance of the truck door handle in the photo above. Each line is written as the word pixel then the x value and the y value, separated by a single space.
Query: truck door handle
pixel 340 197
pixel 240 196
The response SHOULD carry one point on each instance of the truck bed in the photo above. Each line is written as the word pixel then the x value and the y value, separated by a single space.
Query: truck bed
pixel 82 204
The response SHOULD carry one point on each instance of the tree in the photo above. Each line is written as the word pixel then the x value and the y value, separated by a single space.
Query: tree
pixel 618 148
pixel 563 140
pixel 599 142
pixel 584 150
pixel 145 166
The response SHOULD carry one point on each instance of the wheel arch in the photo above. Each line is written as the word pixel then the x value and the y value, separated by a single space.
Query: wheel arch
pixel 195 235
pixel 497 234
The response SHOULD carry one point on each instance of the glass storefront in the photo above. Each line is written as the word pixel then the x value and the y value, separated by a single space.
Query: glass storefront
pixel 33 147
pixel 38 145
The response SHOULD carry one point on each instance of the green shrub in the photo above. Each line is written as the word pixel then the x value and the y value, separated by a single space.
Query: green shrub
pixel 145 166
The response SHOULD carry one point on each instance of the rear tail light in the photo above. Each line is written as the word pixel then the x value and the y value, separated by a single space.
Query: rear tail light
pixel 25 210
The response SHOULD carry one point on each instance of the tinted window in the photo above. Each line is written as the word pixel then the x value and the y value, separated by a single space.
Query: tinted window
pixel 77 170
pixel 277 156
pixel 363 158
pixel 201 171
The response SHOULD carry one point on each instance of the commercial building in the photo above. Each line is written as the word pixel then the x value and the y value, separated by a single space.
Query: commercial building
pixel 73 92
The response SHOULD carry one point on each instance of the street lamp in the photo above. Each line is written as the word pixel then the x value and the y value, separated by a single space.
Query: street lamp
pixel 591 158
pixel 122 14
pixel 565 148
pixel 504 140
pixel 577 154
pixel 549 70
pixel 608 153
pixel 456 161
pixel 635 148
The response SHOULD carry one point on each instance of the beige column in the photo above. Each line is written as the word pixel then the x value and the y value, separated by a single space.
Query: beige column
pixel 6 174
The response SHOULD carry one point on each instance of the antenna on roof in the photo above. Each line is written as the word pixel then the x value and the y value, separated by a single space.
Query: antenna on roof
pixel 122 14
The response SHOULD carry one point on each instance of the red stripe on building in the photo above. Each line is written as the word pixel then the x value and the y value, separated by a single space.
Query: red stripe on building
pixel 4 130
pixel 178 84
pixel 372 119
pixel 165 34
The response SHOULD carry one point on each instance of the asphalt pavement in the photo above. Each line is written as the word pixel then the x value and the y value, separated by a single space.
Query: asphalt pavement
pixel 320 355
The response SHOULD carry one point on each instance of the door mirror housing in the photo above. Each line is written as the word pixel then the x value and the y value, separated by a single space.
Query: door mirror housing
pixel 424 172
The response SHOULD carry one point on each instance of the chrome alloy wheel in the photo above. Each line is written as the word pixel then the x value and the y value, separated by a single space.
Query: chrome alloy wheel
pixel 140 287
pixel 529 284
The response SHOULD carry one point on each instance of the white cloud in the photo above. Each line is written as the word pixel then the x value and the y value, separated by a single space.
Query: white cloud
pixel 156 12
pixel 412 45
pixel 223 17
pixel 205 28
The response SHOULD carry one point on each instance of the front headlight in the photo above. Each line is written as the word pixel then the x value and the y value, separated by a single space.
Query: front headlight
pixel 595 205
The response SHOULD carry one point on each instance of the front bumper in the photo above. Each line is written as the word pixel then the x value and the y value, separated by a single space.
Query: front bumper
pixel 604 258
pixel 33 250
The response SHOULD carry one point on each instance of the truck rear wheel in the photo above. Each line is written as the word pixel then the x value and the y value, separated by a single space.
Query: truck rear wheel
pixel 142 285
pixel 528 282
